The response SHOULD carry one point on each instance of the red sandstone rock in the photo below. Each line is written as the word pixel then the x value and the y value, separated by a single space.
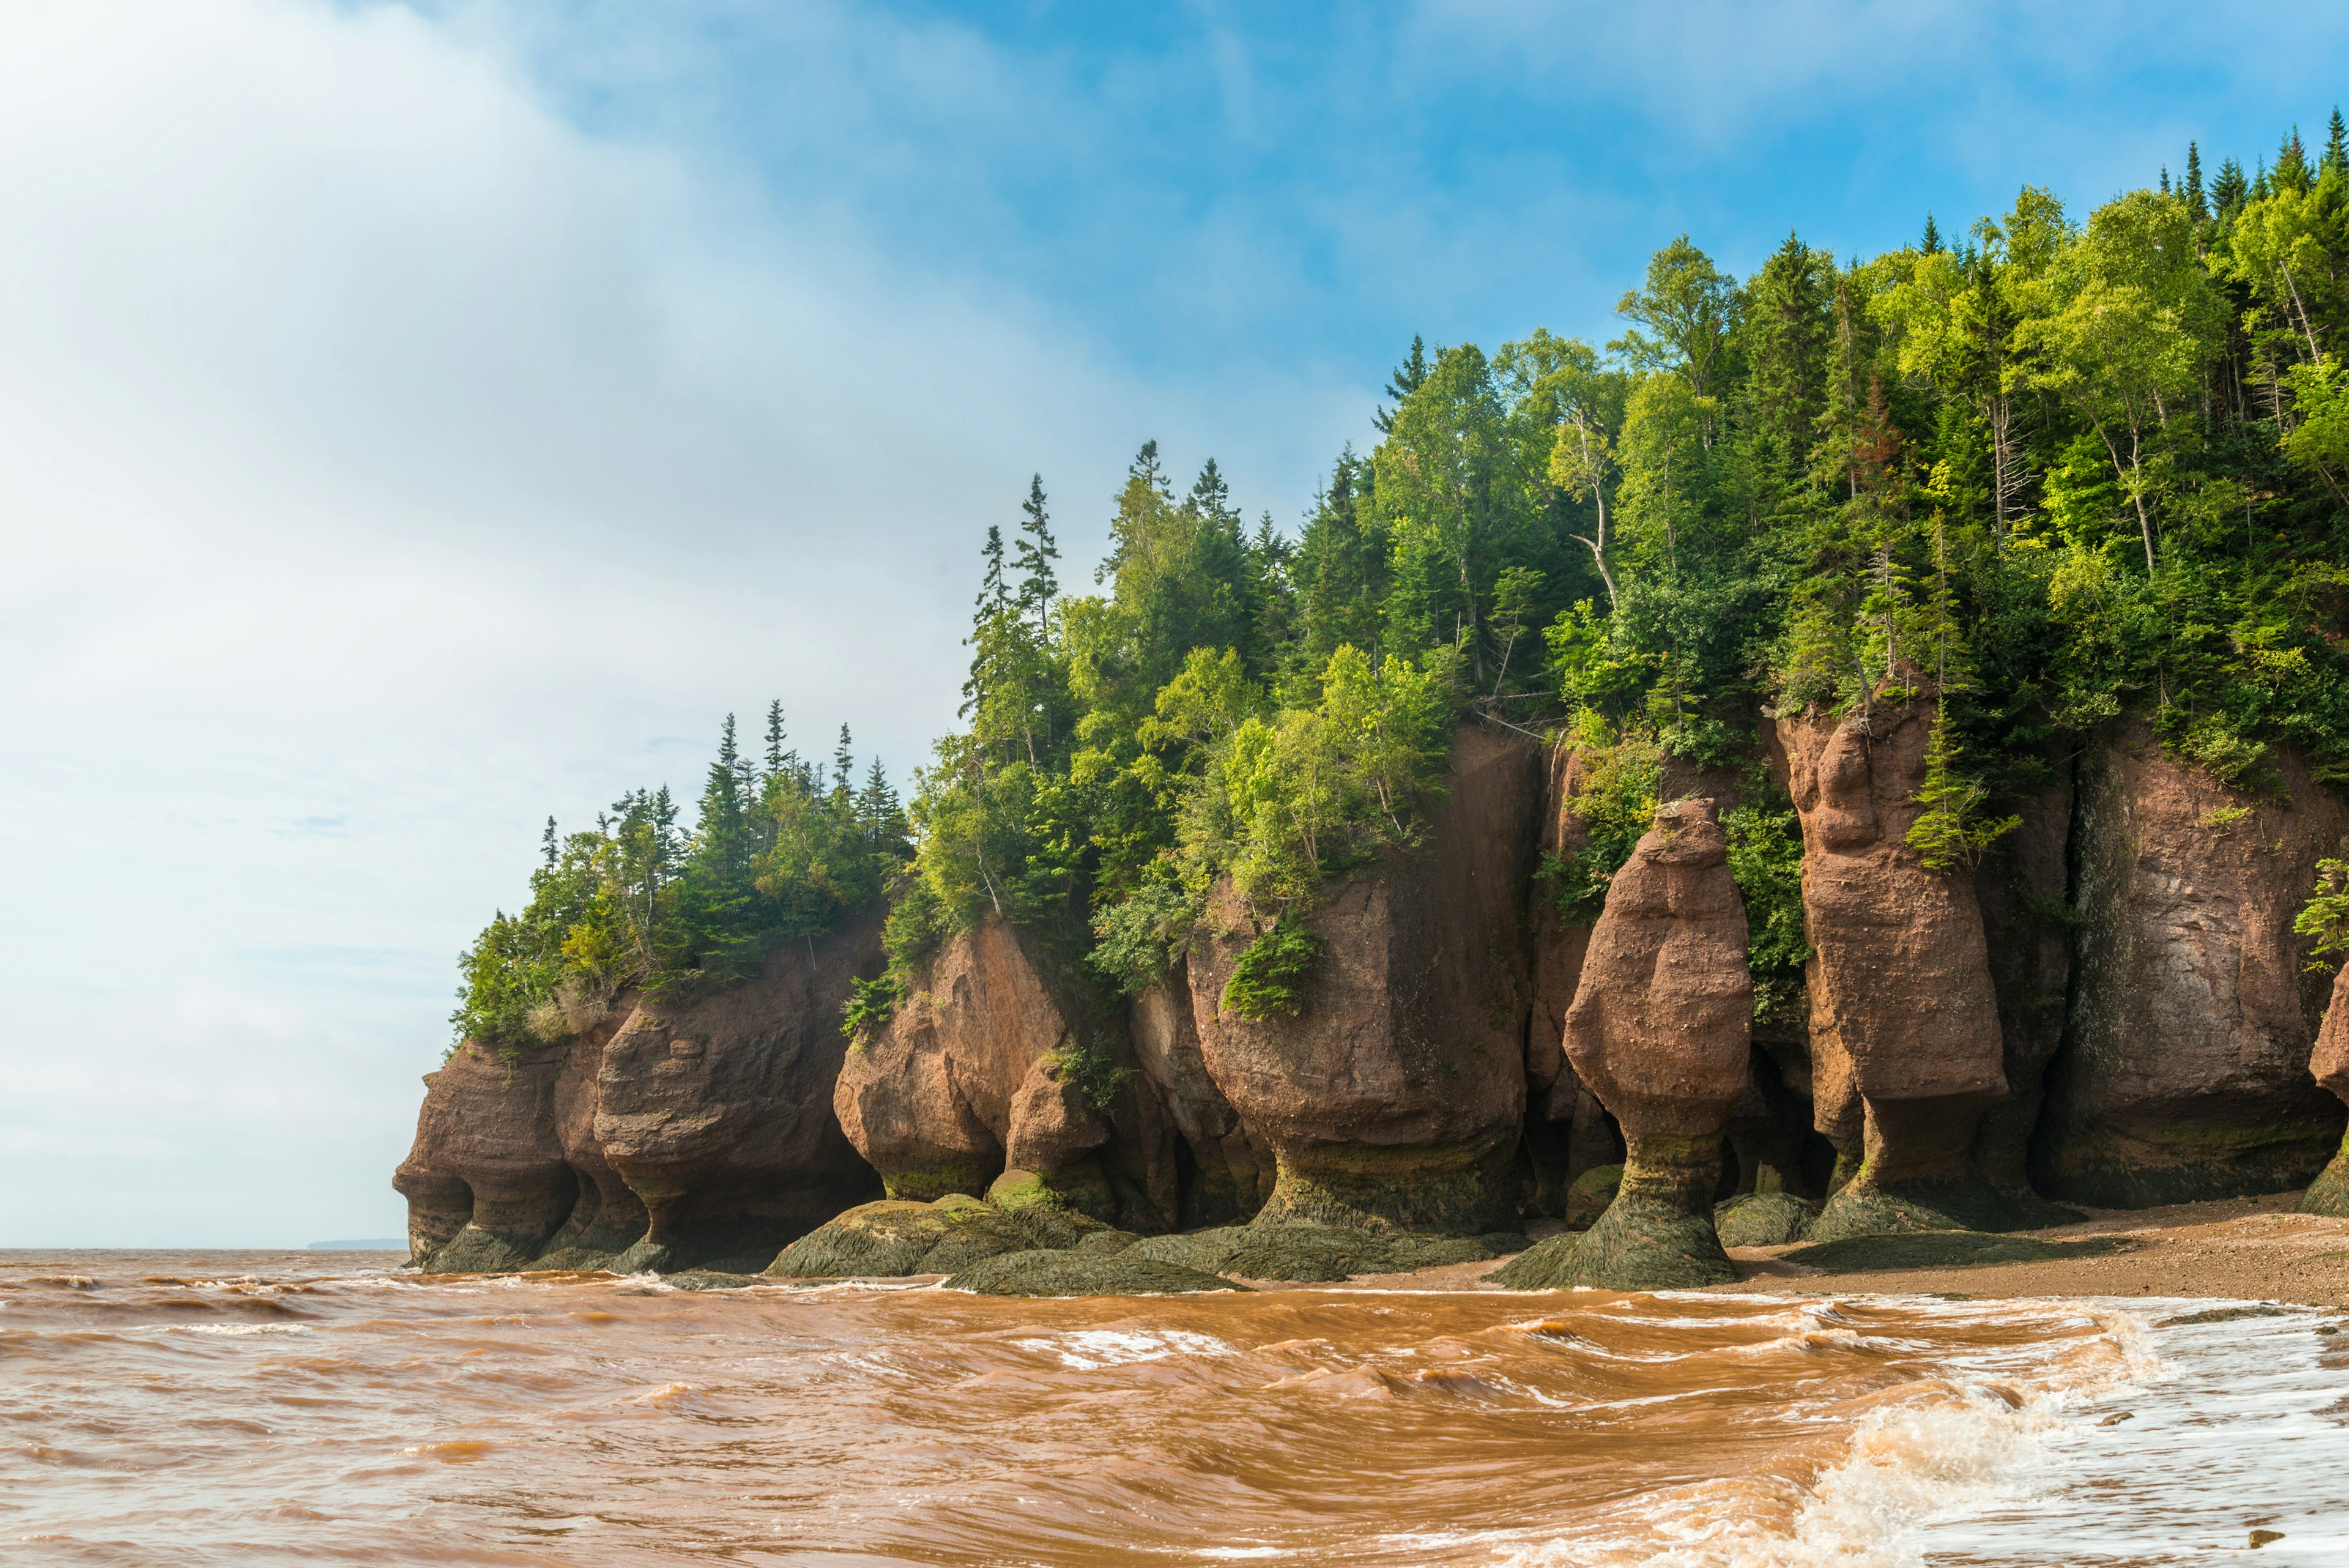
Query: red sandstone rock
pixel 1232 1168
pixel 967 1073
pixel 1396 1097
pixel 2329 1064
pixel 486 1182
pixel 1905 1043
pixel 2184 1074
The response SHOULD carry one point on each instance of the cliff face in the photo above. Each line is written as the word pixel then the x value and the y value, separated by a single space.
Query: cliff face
pixel 2329 1064
pixel 666 1136
pixel 972 1086
pixel 2184 1074
pixel 1906 1050
pixel 1396 1097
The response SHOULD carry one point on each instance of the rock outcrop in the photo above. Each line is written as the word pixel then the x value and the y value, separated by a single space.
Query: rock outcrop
pixel 2184 1072
pixel 1660 1031
pixel 486 1181
pixel 2329 1064
pixel 998 1077
pixel 1395 1098
pixel 666 1135
pixel 1905 1052
pixel 1226 1170
pixel 2020 888
pixel 895 1238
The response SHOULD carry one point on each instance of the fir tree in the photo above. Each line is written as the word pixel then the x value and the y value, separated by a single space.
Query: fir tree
pixel 2336 145
pixel 2229 190
pixel 2193 186
pixel 2292 171
pixel 775 753
pixel 546 842
pixel 844 764
pixel 1409 376
pixel 1932 243
pixel 994 591
pixel 1034 554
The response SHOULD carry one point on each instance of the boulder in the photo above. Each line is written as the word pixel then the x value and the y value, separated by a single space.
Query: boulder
pixel 2184 1071
pixel 895 1238
pixel 1226 1170
pixel 1395 1098
pixel 1905 1048
pixel 2329 1063
pixel 1660 1029
pixel 1002 1061
pixel 1763 1219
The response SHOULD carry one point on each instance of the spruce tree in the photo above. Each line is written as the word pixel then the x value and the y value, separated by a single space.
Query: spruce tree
pixel 844 764
pixel 994 592
pixel 2336 145
pixel 775 737
pixel 1932 243
pixel 2193 187
pixel 1034 555
pixel 546 842
pixel 2229 190
pixel 1409 376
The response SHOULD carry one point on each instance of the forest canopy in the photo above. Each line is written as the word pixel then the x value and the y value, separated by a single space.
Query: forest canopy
pixel 2058 468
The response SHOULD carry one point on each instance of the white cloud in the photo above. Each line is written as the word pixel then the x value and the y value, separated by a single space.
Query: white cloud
pixel 384 463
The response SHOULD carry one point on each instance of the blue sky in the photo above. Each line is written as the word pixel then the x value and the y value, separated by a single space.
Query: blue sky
pixel 415 418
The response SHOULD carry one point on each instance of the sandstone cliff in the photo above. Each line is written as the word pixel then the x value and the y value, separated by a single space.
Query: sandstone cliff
pixel 1396 1099
pixel 669 1135
pixel 1906 1050
pixel 999 1076
pixel 2185 1071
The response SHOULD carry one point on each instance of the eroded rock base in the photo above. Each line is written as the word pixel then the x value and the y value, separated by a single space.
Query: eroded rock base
pixel 2328 1193
pixel 892 1239
pixel 1430 1191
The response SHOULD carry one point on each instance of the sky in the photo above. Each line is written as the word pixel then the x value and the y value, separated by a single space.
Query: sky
pixel 417 419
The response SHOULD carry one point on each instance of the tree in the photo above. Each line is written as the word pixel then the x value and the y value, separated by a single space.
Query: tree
pixel 1687 306
pixel 2197 207
pixel 1033 558
pixel 1407 379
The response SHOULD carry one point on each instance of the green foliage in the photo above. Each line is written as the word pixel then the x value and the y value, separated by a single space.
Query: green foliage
pixel 1613 804
pixel 777 853
pixel 2325 916
pixel 1766 858
pixel 1950 831
pixel 1265 981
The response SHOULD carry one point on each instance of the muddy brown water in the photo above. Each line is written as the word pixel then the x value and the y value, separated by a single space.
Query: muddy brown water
pixel 199 1408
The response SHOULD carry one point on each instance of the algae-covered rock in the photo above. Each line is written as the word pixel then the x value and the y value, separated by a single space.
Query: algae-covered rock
pixel 1763 1219
pixel 1592 1191
pixel 1083 1274
pixel 1546 1265
pixel 1943 1248
pixel 1319 1253
pixel 895 1238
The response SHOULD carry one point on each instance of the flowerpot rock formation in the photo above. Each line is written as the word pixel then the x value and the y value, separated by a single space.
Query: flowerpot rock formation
pixel 1395 1098
pixel 998 1078
pixel 2329 1063
pixel 1660 1029
pixel 1906 1050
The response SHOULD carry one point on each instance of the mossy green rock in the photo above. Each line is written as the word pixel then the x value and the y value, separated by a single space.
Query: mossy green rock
pixel 891 1239
pixel 1763 1219
pixel 1867 1208
pixel 1318 1253
pixel 2328 1193
pixel 1592 1191
pixel 1644 1242
pixel 1083 1274
pixel 1945 1249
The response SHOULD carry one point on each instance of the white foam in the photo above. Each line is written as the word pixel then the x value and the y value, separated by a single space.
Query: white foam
pixel 1087 1350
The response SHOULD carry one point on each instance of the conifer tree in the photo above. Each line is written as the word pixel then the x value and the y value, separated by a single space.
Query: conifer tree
pixel 1034 554
pixel 843 765
pixel 2193 187
pixel 2336 145
pixel 775 754
pixel 1408 377
pixel 1932 243
pixel 546 842
pixel 994 591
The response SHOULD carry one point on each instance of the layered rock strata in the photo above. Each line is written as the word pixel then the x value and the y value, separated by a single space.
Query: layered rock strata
pixel 1905 1047
pixel 999 1077
pixel 1395 1098
pixel 1660 1029
pixel 663 1135
pixel 2184 1074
